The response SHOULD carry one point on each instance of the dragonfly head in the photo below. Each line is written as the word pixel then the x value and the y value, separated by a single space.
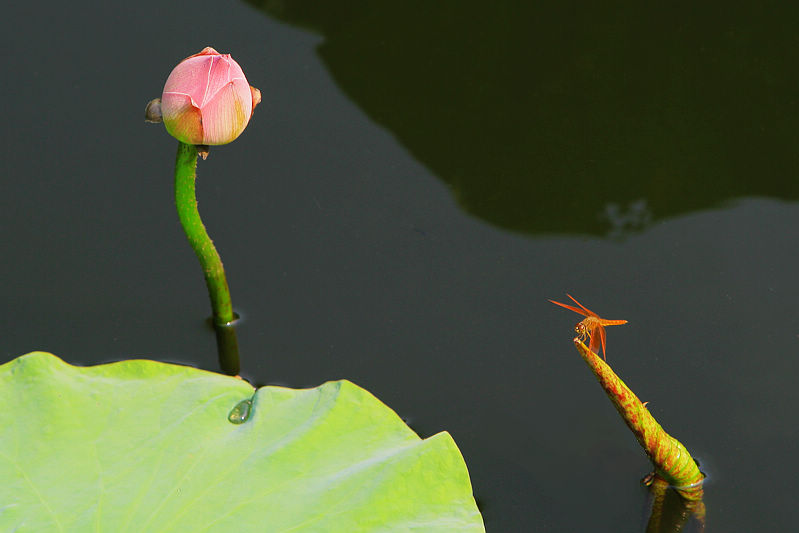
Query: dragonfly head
pixel 581 330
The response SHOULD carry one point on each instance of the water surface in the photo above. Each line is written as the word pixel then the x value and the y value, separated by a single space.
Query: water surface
pixel 417 183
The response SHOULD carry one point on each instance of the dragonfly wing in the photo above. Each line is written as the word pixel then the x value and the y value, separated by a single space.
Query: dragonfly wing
pixel 594 339
pixel 572 308
pixel 602 338
pixel 588 312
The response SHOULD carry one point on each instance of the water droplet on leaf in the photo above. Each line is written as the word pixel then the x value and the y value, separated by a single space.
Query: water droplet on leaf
pixel 240 413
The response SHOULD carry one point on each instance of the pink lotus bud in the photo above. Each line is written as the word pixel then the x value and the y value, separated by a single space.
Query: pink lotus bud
pixel 207 99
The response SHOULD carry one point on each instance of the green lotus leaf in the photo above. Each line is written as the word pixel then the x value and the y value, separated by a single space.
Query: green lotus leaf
pixel 147 446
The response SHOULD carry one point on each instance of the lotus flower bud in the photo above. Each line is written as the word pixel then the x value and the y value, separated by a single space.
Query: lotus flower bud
pixel 207 100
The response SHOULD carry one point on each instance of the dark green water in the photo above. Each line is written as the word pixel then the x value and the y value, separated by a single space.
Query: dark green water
pixel 418 181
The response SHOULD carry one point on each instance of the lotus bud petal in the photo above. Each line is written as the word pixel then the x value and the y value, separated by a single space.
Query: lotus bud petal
pixel 207 100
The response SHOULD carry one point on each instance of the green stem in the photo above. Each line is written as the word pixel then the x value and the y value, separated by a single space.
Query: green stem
pixel 670 458
pixel 186 203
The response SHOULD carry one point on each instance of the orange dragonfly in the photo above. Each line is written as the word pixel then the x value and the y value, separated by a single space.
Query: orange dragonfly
pixel 588 326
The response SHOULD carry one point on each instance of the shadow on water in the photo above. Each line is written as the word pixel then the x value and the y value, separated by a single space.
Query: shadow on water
pixel 577 117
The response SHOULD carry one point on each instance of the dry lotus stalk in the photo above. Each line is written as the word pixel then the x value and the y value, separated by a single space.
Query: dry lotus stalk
pixel 673 464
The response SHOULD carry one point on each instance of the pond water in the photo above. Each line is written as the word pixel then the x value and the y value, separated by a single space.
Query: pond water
pixel 417 182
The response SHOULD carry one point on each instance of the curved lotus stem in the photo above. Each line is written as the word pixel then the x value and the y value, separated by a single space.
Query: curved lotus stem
pixel 670 458
pixel 186 203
